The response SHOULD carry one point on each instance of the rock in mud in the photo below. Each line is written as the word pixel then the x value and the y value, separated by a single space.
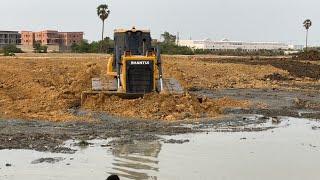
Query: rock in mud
pixel 175 141
pixel 63 150
pixel 313 146
pixel 276 120
pixel 48 160
pixel 83 143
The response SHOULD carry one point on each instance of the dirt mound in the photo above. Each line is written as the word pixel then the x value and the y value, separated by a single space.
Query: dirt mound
pixel 164 107
pixel 44 88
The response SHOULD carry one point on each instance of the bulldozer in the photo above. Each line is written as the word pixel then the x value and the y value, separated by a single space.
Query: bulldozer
pixel 134 70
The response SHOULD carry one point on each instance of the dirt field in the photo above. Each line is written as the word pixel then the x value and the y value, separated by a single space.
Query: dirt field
pixel 45 87
pixel 214 72
pixel 48 87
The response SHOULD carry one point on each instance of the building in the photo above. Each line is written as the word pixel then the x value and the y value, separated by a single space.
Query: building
pixel 27 38
pixel 50 37
pixel 69 38
pixel 225 44
pixel 54 40
pixel 9 37
pixel 296 47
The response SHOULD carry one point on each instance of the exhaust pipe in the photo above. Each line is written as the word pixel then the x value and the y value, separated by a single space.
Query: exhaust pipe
pixel 159 63
pixel 118 65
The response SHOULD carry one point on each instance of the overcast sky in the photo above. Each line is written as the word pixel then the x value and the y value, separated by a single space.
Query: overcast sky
pixel 244 20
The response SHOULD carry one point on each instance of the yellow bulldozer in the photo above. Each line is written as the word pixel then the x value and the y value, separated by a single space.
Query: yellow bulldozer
pixel 135 68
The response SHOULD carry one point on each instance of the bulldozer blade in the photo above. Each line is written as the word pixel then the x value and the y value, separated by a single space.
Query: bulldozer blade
pixel 99 84
pixel 104 94
pixel 172 86
pixel 104 88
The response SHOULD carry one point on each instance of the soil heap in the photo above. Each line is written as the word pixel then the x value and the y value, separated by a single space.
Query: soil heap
pixel 164 107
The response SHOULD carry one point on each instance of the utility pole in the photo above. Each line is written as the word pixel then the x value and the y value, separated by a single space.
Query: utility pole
pixel 307 40
pixel 178 38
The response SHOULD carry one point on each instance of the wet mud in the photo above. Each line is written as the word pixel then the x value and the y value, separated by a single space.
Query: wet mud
pixel 50 136
pixel 272 102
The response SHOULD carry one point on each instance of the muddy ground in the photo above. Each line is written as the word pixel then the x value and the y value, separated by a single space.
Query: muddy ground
pixel 40 98
pixel 46 88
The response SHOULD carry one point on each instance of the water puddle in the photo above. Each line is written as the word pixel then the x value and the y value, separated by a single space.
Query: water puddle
pixel 285 149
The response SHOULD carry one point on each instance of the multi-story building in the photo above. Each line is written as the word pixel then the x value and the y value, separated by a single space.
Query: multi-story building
pixel 9 37
pixel 69 38
pixel 225 44
pixel 27 38
pixel 50 37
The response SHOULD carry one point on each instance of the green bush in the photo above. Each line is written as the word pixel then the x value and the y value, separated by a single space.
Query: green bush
pixel 310 55
pixel 10 50
pixel 173 49
pixel 38 48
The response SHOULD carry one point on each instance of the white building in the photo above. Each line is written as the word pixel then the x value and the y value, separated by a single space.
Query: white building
pixel 296 47
pixel 225 44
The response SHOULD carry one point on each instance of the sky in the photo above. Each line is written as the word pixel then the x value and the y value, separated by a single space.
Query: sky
pixel 242 20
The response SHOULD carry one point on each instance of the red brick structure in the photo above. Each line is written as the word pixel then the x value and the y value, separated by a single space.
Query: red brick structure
pixel 27 38
pixel 50 37
pixel 69 38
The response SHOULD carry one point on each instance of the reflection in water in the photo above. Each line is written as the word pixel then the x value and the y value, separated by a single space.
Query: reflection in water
pixel 290 150
pixel 137 161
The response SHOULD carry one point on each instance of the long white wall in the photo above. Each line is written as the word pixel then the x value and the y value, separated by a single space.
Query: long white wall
pixel 234 45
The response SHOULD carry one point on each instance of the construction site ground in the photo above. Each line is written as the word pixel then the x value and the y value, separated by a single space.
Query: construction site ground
pixel 40 97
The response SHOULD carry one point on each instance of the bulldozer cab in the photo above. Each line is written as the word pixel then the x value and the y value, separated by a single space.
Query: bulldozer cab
pixel 137 42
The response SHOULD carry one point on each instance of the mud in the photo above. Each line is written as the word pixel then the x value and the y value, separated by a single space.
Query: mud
pixel 272 102
pixel 45 91
pixel 50 136
pixel 48 160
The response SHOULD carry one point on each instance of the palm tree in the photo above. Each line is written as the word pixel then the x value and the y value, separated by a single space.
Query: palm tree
pixel 103 13
pixel 307 24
